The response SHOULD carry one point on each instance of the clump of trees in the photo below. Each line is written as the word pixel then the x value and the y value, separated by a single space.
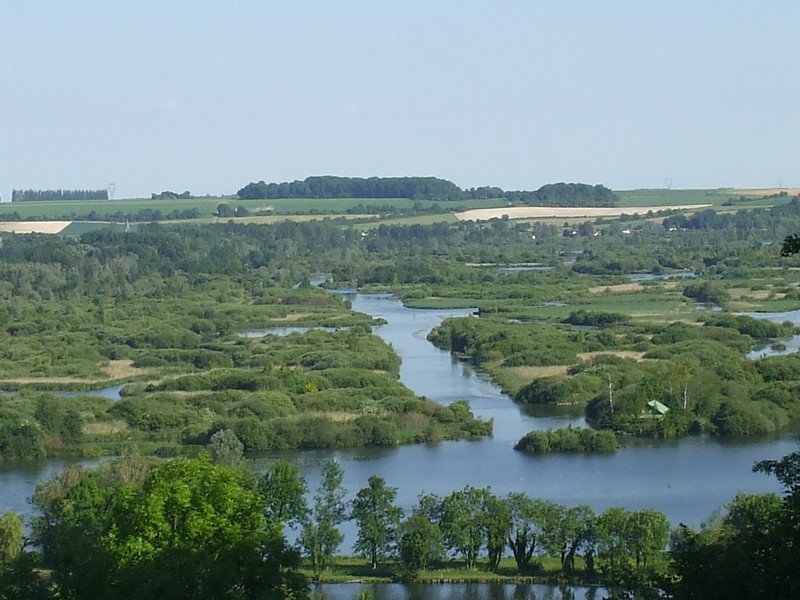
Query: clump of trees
pixel 133 528
pixel 57 195
pixel 168 195
pixel 426 188
pixel 417 188
pixel 567 440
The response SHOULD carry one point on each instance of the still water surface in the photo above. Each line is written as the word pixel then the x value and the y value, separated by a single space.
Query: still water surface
pixel 686 479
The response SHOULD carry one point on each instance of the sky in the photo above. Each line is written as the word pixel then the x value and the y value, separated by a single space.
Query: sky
pixel 206 95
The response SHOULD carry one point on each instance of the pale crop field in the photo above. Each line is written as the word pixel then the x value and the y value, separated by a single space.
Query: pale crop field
pixel 549 212
pixel 33 226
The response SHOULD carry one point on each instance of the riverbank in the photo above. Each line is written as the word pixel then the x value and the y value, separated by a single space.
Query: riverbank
pixel 347 572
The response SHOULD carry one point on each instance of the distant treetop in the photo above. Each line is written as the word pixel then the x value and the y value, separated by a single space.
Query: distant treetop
pixel 169 195
pixel 57 195
pixel 426 188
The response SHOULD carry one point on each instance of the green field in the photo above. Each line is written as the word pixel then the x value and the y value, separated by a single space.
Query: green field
pixel 374 211
pixel 208 206
pixel 721 198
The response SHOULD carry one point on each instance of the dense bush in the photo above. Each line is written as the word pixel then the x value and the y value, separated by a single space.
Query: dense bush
pixel 567 440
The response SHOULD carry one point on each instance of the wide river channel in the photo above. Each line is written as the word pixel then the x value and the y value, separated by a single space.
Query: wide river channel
pixel 687 479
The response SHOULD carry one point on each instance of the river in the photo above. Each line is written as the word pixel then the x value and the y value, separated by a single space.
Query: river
pixel 686 479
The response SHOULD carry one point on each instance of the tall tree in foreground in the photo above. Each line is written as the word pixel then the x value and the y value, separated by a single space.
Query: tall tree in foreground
pixel 462 522
pixel 419 544
pixel 183 529
pixel 377 518
pixel 196 530
pixel 284 491
pixel 320 537
pixel 531 521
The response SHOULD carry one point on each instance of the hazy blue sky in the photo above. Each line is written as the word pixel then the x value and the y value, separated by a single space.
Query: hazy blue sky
pixel 208 95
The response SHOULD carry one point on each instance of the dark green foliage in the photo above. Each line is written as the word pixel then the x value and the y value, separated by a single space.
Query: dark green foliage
pixel 57 195
pixel 749 418
pixel 22 579
pixel 759 329
pixel 419 545
pixel 710 292
pixel 320 537
pixel 567 440
pixel 546 390
pixel 595 319
pixel 750 551
pixel 184 529
pixel 283 490
pixel 571 194
pixel 225 448
pixel 779 368
pixel 421 188
pixel 486 340
pixel 377 518
pixel 168 195
pixel 791 245
pixel 742 555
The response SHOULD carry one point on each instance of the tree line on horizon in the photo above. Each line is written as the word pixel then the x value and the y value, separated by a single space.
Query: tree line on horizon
pixel 57 195
pixel 426 188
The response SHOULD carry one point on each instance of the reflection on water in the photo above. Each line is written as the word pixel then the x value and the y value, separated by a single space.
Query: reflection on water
pixel 460 591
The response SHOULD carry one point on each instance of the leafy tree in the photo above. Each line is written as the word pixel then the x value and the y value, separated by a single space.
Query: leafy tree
pixel 791 245
pixel 649 534
pixel 196 530
pixel 185 529
pixel 462 522
pixel 320 536
pixel 568 533
pixel 613 535
pixel 531 521
pixel 12 536
pixel 496 520
pixel 377 518
pixel 74 513
pixel 225 448
pixel 284 491
pixel 743 554
pixel 419 544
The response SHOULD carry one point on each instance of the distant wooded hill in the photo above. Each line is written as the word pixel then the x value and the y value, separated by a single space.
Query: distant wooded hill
pixel 426 188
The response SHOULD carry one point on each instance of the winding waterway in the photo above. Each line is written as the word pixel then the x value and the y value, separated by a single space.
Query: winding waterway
pixel 686 479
